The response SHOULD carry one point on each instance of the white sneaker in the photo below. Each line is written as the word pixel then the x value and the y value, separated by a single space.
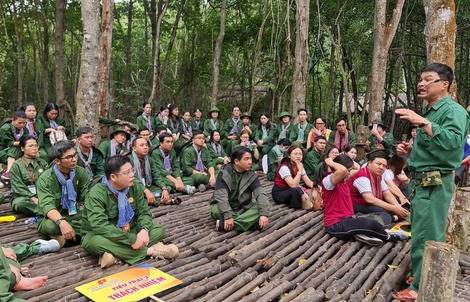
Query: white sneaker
pixel 397 235
pixel 48 246
pixel 190 190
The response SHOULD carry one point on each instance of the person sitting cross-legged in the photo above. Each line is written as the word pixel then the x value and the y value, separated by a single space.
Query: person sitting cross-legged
pixel 196 163
pixel 338 216
pixel 117 223
pixel 236 186
pixel 171 168
pixel 61 189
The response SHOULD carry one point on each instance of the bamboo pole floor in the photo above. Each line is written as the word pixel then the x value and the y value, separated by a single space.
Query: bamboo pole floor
pixel 293 259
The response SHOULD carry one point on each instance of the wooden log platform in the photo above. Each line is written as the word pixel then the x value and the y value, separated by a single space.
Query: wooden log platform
pixel 293 259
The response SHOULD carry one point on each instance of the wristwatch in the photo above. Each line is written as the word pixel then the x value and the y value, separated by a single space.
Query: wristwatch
pixel 424 123
pixel 58 221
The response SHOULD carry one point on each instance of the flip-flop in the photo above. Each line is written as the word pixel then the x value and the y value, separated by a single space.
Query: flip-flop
pixel 9 218
pixel 404 295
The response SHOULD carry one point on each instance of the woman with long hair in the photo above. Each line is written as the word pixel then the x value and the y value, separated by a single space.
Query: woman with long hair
pixel 264 137
pixel 287 189
pixel 49 124
pixel 146 119
pixel 219 157
pixel 174 122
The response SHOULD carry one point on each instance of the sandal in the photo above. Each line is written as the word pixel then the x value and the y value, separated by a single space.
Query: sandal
pixel 405 295
pixel 9 218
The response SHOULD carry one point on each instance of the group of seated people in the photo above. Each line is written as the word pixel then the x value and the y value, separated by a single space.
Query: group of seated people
pixel 100 196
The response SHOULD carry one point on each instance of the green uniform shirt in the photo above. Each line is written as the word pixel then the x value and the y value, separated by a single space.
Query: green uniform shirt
pixel 208 127
pixel 100 214
pixel 141 122
pixel 312 163
pixel 50 190
pixel 215 157
pixel 105 148
pixel 157 177
pixel 288 130
pixel 41 125
pixel 294 134
pixel 194 125
pixel 97 162
pixel 253 128
pixel 227 128
pixel 351 139
pixel 387 142
pixel 189 160
pixel 443 151
pixel 269 140
pixel 7 135
pixel 175 166
pixel 23 175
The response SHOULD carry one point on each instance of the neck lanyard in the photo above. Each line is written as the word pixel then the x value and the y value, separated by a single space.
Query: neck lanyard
pixel 31 175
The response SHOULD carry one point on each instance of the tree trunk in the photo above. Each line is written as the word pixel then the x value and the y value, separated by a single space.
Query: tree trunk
pixel 156 52
pixel 59 42
pixel 218 53
pixel 105 60
pixel 440 31
pixel 300 77
pixel 87 91
pixel 383 35
pixel 18 17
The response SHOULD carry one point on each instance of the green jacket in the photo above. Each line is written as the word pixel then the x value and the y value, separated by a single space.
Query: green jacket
pixel 189 160
pixel 215 157
pixel 351 139
pixel 294 134
pixel 141 122
pixel 253 128
pixel 227 128
pixel 270 139
pixel 312 163
pixel 42 124
pixel 208 127
pixel 100 214
pixel 157 177
pixel 49 192
pixel 97 162
pixel 279 130
pixel 105 148
pixel 387 142
pixel 22 176
pixel 193 124
pixel 7 135
pixel 444 151
pixel 175 166
pixel 249 190
pixel 160 123
pixel 274 162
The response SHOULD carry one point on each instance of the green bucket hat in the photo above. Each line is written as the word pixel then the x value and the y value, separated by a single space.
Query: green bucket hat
pixel 214 109
pixel 120 129
pixel 378 122
pixel 246 114
pixel 283 114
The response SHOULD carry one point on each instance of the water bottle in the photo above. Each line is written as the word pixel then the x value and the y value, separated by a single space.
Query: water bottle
pixel 31 220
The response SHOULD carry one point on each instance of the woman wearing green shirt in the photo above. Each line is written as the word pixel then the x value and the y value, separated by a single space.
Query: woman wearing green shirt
pixel 23 174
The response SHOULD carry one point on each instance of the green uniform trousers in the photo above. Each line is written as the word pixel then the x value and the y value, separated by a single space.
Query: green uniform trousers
pixel 23 205
pixel 187 181
pixel 2 198
pixel 48 227
pixel 241 222
pixel 7 279
pixel 429 209
pixel 24 250
pixel 97 245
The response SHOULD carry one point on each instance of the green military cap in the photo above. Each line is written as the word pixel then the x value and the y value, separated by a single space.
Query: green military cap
pixel 283 114
pixel 246 114
pixel 214 109
pixel 120 129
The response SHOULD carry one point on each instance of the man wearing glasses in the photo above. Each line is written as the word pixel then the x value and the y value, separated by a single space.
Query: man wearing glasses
pixel 437 150
pixel 341 137
pixel 61 192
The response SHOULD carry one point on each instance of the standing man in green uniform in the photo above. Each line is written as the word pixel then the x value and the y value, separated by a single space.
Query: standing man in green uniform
pixel 89 157
pixel 171 171
pixel 232 203
pixel 313 159
pixel 299 133
pixel 196 163
pixel 437 151
pixel 117 223
pixel 61 191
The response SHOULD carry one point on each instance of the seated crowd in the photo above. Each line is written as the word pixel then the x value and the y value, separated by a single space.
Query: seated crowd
pixel 100 196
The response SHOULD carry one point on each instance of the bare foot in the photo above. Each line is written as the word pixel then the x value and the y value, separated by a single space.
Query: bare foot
pixel 25 270
pixel 30 283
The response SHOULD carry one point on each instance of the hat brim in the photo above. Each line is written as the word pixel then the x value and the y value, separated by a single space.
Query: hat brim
pixel 111 136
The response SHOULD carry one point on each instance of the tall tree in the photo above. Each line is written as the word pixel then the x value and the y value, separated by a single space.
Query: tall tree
pixel 384 31
pixel 87 91
pixel 105 61
pixel 440 31
pixel 18 13
pixel 218 53
pixel 59 41
pixel 300 78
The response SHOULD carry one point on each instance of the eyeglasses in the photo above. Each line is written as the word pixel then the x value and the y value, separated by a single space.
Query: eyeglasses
pixel 129 172
pixel 70 157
